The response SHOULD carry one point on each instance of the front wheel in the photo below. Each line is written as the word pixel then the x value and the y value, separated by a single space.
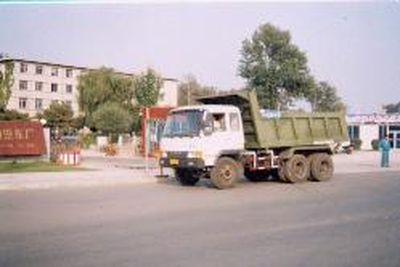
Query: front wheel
pixel 186 177
pixel 225 173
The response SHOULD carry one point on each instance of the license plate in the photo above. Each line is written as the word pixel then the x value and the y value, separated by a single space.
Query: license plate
pixel 173 161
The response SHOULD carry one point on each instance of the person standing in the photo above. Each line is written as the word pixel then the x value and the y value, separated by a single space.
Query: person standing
pixel 384 147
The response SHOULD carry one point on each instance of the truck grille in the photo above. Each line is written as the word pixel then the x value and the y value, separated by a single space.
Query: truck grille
pixel 177 154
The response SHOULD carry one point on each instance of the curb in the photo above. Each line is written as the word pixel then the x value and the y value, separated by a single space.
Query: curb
pixel 78 183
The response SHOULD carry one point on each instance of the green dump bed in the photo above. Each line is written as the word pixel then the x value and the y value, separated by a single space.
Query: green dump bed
pixel 290 129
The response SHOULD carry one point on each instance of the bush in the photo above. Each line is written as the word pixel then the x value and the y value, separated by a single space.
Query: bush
pixel 13 115
pixel 78 122
pixel 356 143
pixel 375 144
pixel 87 140
pixel 112 118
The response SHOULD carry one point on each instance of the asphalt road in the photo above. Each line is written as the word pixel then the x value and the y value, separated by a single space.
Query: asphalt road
pixel 353 220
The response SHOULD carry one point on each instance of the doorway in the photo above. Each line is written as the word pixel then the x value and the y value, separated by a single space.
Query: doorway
pixel 394 138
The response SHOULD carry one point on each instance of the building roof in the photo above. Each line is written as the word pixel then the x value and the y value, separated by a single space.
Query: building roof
pixel 6 59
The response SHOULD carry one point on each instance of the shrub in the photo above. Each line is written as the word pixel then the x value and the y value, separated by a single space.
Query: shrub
pixel 13 115
pixel 78 122
pixel 87 140
pixel 356 143
pixel 375 144
pixel 112 118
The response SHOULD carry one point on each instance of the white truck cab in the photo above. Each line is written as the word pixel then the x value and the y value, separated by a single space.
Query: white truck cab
pixel 195 136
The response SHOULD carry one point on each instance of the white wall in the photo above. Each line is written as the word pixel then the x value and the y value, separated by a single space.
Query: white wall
pixel 168 94
pixel 46 95
pixel 367 134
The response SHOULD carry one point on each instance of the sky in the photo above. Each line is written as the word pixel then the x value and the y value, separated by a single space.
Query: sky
pixel 354 46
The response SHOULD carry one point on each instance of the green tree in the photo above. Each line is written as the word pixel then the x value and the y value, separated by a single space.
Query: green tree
pixel 6 82
pixel 101 86
pixel 392 108
pixel 58 116
pixel 190 89
pixel 111 118
pixel 275 67
pixel 324 98
pixel 147 88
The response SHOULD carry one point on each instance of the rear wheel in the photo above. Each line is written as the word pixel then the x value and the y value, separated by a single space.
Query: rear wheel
pixel 186 177
pixel 281 171
pixel 225 173
pixel 296 169
pixel 321 167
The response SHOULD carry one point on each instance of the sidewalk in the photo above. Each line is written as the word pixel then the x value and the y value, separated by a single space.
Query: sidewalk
pixel 102 171
pixel 108 171
pixel 365 161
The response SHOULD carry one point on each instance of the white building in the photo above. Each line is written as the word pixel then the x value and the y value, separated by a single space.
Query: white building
pixel 37 84
pixel 368 127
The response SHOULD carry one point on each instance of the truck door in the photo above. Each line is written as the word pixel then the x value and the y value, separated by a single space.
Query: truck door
pixel 227 131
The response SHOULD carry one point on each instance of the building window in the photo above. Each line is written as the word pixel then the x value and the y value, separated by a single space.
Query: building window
pixel 23 85
pixel 68 73
pixel 54 88
pixel 54 71
pixel 39 69
pixel 68 88
pixel 38 86
pixel 23 103
pixel 354 132
pixel 38 104
pixel 23 67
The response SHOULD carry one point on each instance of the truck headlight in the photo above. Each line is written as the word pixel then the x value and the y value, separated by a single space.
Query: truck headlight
pixel 195 154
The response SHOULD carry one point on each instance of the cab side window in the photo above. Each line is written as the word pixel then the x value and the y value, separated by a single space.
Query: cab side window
pixel 234 122
pixel 219 124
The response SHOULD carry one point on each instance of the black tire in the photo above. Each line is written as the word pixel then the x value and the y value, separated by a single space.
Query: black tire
pixel 321 167
pixel 225 173
pixel 310 159
pixel 186 177
pixel 297 169
pixel 257 175
pixel 281 172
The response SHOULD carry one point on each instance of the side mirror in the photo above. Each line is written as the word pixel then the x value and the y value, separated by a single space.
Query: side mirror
pixel 207 125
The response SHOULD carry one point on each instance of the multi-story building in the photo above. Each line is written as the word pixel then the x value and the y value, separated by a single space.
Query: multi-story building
pixel 37 84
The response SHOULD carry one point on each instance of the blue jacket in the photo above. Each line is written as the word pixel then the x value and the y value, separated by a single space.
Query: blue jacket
pixel 384 145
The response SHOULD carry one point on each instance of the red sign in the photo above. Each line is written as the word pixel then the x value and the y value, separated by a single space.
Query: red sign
pixel 19 138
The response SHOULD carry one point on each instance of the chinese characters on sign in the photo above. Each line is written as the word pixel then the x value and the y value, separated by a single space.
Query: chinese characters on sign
pixel 374 118
pixel 21 139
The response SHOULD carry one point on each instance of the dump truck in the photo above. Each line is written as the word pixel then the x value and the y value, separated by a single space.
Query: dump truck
pixel 226 137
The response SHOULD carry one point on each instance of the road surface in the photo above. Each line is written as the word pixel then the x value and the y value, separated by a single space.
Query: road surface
pixel 353 220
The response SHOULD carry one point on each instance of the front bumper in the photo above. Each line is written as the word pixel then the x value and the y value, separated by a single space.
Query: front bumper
pixel 182 162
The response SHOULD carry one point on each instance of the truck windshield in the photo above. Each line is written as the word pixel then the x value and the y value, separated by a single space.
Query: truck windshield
pixel 183 123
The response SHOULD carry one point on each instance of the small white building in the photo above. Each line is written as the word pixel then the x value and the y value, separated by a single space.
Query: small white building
pixel 368 127
pixel 37 84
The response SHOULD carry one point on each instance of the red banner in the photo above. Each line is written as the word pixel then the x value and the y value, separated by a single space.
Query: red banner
pixel 18 138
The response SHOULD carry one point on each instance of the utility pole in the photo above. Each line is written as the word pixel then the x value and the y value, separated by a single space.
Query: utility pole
pixel 188 94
